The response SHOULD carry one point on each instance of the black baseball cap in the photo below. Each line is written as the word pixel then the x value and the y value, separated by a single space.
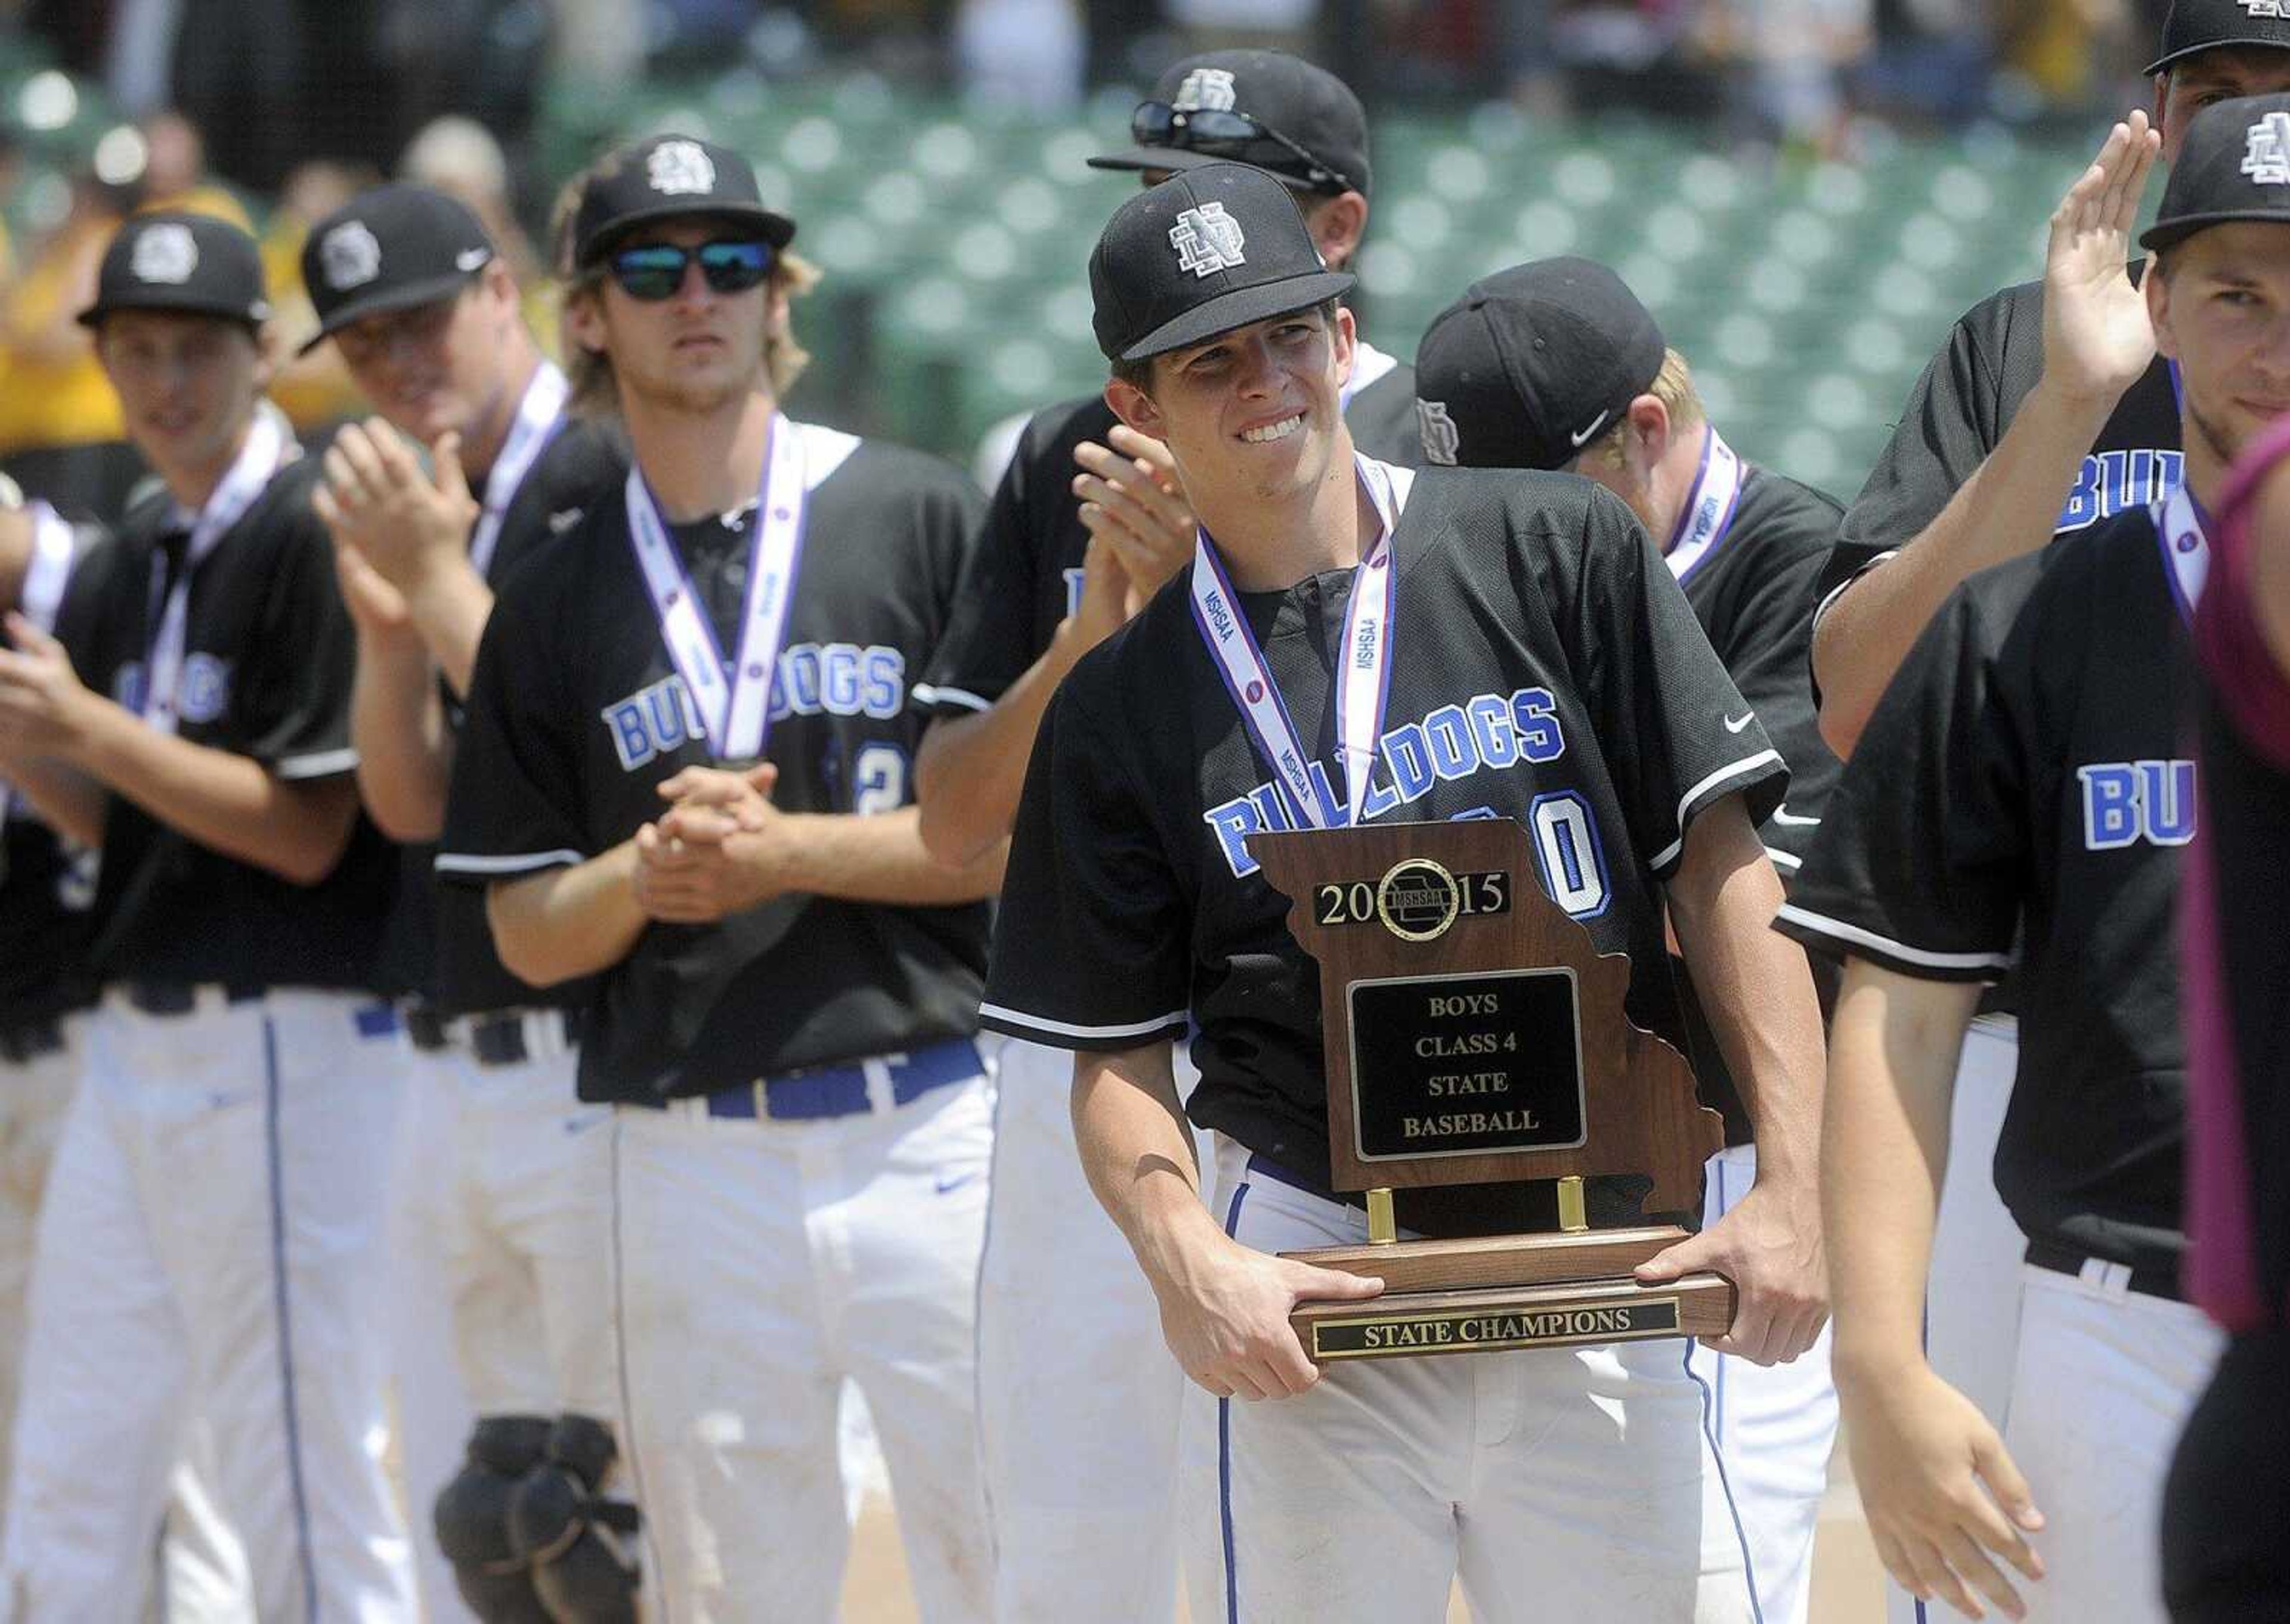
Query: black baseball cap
pixel 1533 364
pixel 182 262
pixel 669 177
pixel 1207 251
pixel 1315 110
pixel 2234 165
pixel 2195 26
pixel 391 248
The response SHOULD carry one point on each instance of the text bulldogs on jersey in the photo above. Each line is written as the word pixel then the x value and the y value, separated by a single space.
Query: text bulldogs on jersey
pixel 2112 482
pixel 838 679
pixel 1487 731
pixel 2126 802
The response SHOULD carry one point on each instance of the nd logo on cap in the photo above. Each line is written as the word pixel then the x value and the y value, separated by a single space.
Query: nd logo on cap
pixel 165 253
pixel 351 255
pixel 1207 240
pixel 680 168
pixel 2266 159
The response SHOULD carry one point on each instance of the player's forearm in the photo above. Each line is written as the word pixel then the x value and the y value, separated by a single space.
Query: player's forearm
pixel 2009 506
pixel 1892 1079
pixel 227 803
pixel 1138 1155
pixel 972 769
pixel 450 606
pixel 565 922
pixel 68 801
pixel 398 727
pixel 879 857
pixel 1755 987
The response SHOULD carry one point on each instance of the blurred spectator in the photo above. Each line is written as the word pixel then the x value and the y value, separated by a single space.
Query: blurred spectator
pixel 1020 53
pixel 1787 62
pixel 175 172
pixel 1932 62
pixel 60 435
pixel 1269 25
pixel 460 157
pixel 314 390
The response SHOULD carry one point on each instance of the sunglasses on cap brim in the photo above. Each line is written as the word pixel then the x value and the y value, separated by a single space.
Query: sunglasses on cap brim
pixel 655 270
pixel 1225 132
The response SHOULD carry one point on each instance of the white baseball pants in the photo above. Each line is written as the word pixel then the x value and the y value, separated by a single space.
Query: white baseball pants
pixel 501 1248
pixel 1556 1482
pixel 34 1096
pixel 212 1247
pixel 1774 1426
pixel 758 1262
pixel 1078 1399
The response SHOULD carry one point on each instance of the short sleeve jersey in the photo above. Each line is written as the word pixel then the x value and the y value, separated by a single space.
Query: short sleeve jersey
pixel 1752 593
pixel 267 670
pixel 1027 575
pixel 2024 779
pixel 1957 415
pixel 2238 951
pixel 47 883
pixel 576 716
pixel 1545 667
pixel 438 934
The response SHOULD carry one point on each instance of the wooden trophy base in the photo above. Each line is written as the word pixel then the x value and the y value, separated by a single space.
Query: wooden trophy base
pixel 1502 1291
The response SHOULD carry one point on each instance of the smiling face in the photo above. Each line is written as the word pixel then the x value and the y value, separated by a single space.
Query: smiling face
pixel 2193 82
pixel 186 387
pixel 441 365
pixel 2221 310
pixel 1252 415
pixel 693 351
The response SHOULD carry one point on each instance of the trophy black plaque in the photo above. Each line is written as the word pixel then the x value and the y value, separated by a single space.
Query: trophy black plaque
pixel 1475 1034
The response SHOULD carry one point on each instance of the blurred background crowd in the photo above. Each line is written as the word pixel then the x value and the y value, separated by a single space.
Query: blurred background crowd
pixel 1805 191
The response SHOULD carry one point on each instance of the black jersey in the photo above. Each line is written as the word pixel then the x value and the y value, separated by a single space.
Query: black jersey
pixel 576 714
pixel 2024 779
pixel 2237 956
pixel 1545 667
pixel 1752 591
pixel 439 940
pixel 47 883
pixel 1026 576
pixel 269 661
pixel 1957 413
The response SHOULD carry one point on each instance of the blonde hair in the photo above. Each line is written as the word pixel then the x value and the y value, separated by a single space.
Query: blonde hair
pixel 1673 387
pixel 595 391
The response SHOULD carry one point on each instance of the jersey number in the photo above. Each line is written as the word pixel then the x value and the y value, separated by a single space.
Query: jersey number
pixel 1567 850
pixel 878 780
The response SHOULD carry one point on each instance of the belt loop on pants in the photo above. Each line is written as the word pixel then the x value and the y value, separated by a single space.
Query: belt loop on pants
pixel 2114 1278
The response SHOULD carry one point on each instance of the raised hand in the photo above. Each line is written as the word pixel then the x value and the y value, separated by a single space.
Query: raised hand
pixel 2097 338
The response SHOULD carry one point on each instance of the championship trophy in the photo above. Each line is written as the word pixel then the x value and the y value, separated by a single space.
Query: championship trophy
pixel 1475 1036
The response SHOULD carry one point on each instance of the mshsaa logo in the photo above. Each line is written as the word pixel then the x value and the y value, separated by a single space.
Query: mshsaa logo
pixel 351 255
pixel 679 168
pixel 1207 240
pixel 166 253
pixel 205 692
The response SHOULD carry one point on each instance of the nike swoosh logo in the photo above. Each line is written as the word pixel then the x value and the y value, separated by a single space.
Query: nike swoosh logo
pixel 954 1181
pixel 1782 814
pixel 470 258
pixel 559 523
pixel 582 1125
pixel 223 1099
pixel 1582 439
pixel 1735 724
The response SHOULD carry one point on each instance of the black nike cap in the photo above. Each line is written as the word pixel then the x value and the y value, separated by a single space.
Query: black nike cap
pixel 391 248
pixel 669 177
pixel 1207 251
pixel 1533 364
pixel 2195 26
pixel 1264 108
pixel 2235 164
pixel 182 262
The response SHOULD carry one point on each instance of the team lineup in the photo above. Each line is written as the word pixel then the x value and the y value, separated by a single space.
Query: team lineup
pixel 545 938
